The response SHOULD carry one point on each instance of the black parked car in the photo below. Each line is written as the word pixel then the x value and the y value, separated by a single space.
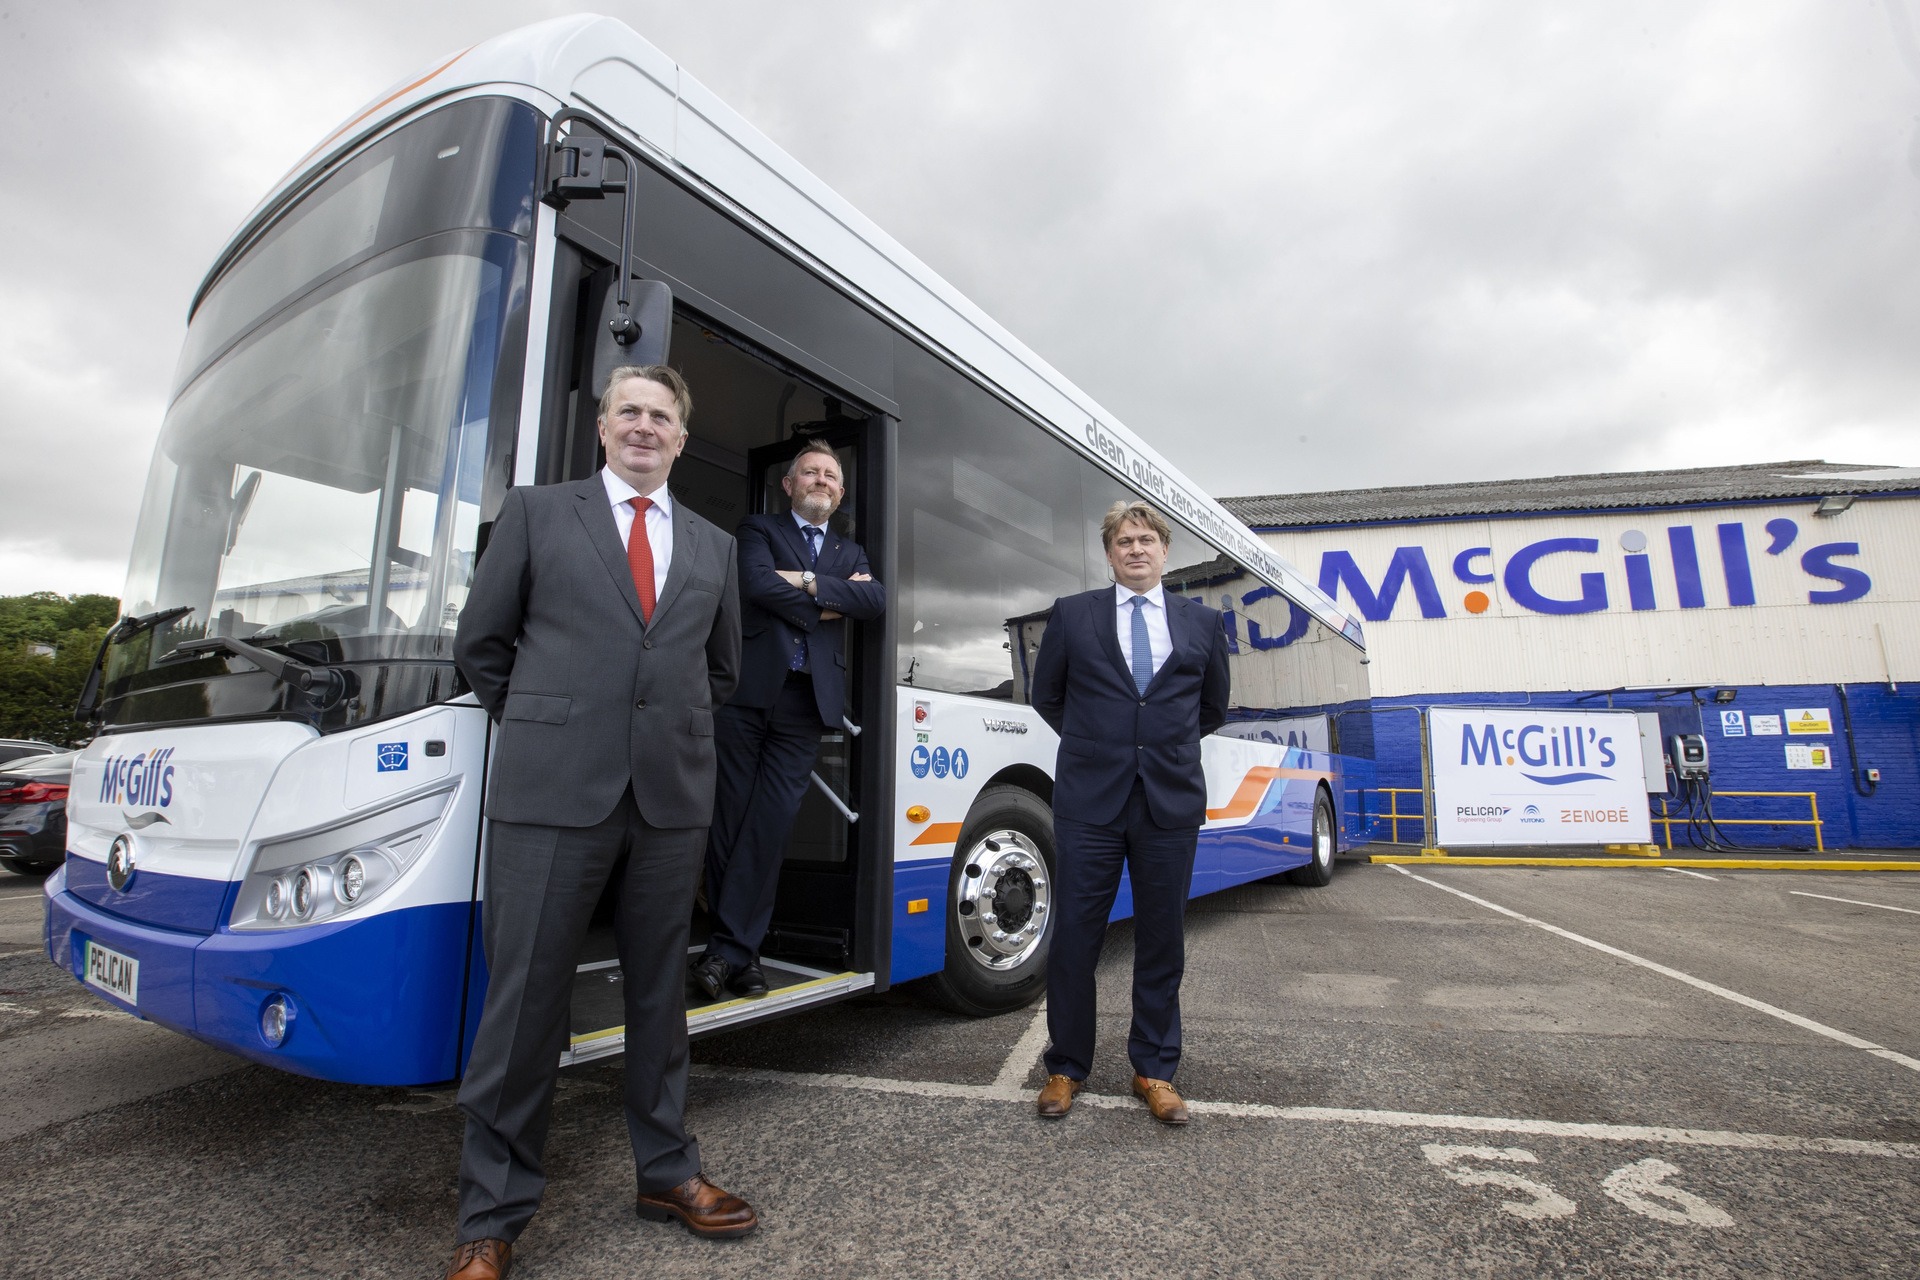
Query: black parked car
pixel 33 811
pixel 12 749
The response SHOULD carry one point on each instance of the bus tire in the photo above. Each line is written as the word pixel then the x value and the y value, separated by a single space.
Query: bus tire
pixel 999 906
pixel 1320 870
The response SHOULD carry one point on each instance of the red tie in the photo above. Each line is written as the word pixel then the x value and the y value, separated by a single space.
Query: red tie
pixel 640 556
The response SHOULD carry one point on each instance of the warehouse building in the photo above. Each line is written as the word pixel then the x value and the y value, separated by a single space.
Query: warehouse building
pixel 1772 608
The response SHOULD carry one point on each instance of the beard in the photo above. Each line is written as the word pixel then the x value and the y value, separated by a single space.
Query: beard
pixel 814 507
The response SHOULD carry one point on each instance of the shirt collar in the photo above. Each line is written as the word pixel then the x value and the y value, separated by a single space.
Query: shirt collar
pixel 619 492
pixel 1155 596
pixel 807 524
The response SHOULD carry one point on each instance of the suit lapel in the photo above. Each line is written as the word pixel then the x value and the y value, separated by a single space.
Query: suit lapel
pixel 686 545
pixel 1180 618
pixel 1106 626
pixel 791 535
pixel 596 514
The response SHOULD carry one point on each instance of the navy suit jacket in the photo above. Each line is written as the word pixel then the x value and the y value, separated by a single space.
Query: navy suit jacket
pixel 1110 733
pixel 775 615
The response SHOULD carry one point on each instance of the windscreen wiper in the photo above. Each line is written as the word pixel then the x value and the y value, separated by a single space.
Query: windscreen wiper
pixel 324 685
pixel 88 707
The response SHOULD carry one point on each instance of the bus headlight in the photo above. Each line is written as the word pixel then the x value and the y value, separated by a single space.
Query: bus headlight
pixel 314 877
pixel 352 880
pixel 304 891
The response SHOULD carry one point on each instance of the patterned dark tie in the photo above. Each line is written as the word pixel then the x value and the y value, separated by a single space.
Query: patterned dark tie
pixel 813 544
pixel 1142 651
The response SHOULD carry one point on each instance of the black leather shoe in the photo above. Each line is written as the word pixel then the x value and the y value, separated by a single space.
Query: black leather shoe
pixel 748 981
pixel 708 975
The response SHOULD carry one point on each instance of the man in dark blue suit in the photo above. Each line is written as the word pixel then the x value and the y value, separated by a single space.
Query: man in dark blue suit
pixel 799 580
pixel 1131 677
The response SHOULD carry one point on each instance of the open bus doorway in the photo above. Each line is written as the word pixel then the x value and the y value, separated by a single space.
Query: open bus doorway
pixel 750 415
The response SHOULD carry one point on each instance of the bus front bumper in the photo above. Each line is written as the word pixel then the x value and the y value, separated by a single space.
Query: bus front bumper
pixel 373 1000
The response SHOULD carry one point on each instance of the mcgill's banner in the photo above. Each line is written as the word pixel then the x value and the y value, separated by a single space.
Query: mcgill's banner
pixel 1526 776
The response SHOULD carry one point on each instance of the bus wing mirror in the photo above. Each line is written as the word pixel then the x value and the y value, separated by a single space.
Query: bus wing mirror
pixel 644 320
pixel 576 170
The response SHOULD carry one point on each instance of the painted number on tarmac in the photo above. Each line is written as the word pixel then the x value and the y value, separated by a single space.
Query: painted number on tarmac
pixel 1639 1186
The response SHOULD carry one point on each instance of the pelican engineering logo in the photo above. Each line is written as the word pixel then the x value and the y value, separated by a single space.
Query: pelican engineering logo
pixel 120 863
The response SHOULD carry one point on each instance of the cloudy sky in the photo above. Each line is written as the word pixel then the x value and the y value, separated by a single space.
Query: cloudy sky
pixel 1295 245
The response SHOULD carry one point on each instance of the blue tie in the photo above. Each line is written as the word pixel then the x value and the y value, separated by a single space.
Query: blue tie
pixel 797 661
pixel 1142 651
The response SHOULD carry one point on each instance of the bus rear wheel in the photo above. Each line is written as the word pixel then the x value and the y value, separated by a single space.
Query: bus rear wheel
pixel 1000 906
pixel 1320 870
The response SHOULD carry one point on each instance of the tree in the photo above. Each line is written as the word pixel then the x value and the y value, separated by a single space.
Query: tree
pixel 38 692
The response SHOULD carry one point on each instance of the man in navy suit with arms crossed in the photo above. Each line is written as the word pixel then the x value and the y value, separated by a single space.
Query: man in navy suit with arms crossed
pixel 799 580
pixel 1132 677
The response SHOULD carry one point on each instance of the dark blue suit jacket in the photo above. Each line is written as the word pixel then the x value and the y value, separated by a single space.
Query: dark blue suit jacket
pixel 1109 733
pixel 774 615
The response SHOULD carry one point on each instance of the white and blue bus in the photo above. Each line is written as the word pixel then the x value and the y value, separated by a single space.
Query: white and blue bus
pixel 275 841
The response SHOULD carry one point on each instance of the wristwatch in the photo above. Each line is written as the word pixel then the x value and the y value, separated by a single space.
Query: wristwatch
pixel 806 578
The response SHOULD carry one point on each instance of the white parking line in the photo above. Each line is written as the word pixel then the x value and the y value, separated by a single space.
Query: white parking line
pixel 1853 901
pixel 1682 871
pixel 1013 1072
pixel 1340 1115
pixel 1758 1006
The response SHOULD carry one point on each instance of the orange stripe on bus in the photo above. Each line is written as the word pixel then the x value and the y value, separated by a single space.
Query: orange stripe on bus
pixel 939 833
pixel 1247 798
pixel 1253 787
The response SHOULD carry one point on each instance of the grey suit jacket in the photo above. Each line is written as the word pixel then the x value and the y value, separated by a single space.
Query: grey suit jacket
pixel 590 700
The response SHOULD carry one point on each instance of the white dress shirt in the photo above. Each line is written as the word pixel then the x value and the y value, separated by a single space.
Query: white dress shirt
pixel 659 522
pixel 805 525
pixel 1159 638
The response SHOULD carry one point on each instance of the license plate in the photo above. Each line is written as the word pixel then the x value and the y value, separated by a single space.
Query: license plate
pixel 113 973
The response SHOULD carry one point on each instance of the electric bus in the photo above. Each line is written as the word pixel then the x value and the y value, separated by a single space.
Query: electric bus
pixel 275 842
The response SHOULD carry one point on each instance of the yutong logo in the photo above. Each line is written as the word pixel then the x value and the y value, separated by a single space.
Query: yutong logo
pixel 1004 726
pixel 144 780
pixel 1573 747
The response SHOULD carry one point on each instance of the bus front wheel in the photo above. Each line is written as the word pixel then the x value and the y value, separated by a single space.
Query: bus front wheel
pixel 1000 904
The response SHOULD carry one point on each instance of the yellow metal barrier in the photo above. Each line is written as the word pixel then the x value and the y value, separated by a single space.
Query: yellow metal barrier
pixel 1666 820
pixel 1395 817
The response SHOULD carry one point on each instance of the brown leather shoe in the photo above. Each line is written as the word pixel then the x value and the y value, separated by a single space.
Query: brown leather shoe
pixel 704 1208
pixel 1056 1096
pixel 481 1260
pixel 1160 1098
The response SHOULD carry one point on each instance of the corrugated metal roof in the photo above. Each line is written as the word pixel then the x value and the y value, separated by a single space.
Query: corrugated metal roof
pixel 1615 489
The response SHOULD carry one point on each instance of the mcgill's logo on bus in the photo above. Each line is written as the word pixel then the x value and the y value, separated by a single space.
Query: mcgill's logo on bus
pixel 143 779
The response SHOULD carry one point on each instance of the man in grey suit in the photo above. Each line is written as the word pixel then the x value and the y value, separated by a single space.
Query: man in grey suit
pixel 601 633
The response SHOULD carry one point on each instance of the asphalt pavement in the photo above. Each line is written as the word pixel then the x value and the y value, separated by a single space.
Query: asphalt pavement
pixel 1415 1071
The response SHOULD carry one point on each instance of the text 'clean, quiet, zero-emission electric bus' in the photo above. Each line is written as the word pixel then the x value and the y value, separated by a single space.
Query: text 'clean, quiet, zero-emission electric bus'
pixel 275 842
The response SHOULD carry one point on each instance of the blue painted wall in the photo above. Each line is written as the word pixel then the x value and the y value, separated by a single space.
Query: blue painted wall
pixel 1854 813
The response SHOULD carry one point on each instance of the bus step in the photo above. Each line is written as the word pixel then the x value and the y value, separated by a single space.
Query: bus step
pixel 598 1012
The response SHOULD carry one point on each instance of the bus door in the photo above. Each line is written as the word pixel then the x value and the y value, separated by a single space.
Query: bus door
pixel 747 408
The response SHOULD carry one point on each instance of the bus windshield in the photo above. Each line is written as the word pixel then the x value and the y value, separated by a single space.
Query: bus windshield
pixel 320 480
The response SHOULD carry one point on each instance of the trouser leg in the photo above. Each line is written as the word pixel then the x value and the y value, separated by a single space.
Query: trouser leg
pixel 650 927
pixel 737 735
pixel 1160 869
pixel 1087 863
pixel 542 884
pixel 742 906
